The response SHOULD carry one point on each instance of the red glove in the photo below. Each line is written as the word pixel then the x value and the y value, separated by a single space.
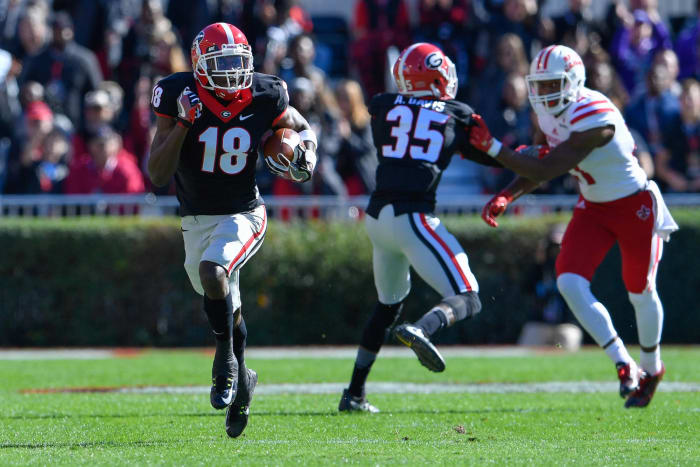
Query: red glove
pixel 189 107
pixel 495 207
pixel 480 137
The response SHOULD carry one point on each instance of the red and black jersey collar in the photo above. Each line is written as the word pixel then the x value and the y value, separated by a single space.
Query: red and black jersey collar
pixel 225 112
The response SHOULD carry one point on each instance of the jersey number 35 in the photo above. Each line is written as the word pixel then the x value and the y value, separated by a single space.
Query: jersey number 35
pixel 404 116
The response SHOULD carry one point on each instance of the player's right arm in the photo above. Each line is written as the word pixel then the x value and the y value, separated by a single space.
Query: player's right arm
pixel 172 125
pixel 165 150
pixel 535 170
pixel 560 160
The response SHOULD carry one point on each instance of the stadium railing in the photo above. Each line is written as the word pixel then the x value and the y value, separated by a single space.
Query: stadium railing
pixel 285 207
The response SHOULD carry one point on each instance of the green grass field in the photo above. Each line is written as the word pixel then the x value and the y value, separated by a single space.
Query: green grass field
pixel 559 428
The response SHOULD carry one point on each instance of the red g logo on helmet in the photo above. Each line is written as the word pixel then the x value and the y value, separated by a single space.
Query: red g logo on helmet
pixel 433 61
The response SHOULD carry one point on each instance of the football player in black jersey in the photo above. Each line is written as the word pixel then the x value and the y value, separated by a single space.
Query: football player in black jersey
pixel 416 132
pixel 209 125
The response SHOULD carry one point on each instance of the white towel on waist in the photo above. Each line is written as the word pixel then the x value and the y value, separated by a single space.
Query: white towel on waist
pixel 664 225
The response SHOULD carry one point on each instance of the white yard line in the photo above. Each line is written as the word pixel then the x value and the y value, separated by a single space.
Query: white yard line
pixel 55 354
pixel 387 351
pixel 269 353
pixel 405 388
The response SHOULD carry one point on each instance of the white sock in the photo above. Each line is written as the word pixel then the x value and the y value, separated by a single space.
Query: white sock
pixel 651 361
pixel 592 315
pixel 650 318
pixel 617 352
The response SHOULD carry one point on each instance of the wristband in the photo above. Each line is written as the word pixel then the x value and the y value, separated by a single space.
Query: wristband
pixel 309 135
pixel 184 123
pixel 495 148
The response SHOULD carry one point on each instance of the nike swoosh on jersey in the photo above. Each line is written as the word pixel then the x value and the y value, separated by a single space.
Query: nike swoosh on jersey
pixel 245 117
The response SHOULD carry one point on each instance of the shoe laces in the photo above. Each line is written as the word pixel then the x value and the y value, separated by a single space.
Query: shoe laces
pixel 644 380
pixel 222 383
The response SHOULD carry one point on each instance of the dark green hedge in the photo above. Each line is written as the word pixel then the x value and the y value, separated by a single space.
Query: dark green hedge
pixel 120 281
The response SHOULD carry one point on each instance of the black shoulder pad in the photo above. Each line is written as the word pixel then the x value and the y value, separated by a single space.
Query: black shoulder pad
pixel 166 91
pixel 383 100
pixel 264 85
pixel 273 90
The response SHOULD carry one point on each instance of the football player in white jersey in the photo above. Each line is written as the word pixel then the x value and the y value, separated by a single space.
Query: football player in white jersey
pixel 583 133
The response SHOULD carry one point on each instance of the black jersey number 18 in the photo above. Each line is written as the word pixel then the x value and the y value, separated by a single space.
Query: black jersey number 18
pixel 404 116
pixel 235 144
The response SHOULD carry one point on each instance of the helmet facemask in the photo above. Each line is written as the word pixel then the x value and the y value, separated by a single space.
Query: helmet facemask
pixel 229 69
pixel 553 102
pixel 451 77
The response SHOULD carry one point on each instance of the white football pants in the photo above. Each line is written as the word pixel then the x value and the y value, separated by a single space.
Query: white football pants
pixel 228 240
pixel 422 241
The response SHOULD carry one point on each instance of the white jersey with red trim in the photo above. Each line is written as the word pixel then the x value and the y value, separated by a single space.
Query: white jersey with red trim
pixel 609 172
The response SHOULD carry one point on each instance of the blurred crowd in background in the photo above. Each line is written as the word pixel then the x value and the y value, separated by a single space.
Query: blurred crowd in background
pixel 76 79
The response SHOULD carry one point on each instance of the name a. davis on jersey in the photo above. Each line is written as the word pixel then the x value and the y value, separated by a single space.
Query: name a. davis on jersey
pixel 438 106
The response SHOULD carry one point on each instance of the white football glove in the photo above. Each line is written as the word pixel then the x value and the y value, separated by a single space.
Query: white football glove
pixel 277 168
pixel 303 164
pixel 299 169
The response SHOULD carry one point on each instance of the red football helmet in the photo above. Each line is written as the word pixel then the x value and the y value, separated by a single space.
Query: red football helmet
pixel 422 69
pixel 222 60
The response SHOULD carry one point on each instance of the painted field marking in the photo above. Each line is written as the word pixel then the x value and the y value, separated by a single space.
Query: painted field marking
pixel 268 353
pixel 386 388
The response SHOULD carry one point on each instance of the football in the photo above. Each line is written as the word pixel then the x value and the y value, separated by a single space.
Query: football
pixel 280 145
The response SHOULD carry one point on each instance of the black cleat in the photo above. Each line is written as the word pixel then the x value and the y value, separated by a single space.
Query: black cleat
pixel 350 403
pixel 426 352
pixel 237 414
pixel 222 392
pixel 224 376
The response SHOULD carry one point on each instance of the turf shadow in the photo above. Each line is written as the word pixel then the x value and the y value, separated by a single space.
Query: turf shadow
pixel 415 412
pixel 305 413
pixel 87 444
pixel 97 415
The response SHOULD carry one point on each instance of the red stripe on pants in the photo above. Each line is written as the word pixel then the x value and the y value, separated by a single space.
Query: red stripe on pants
pixel 447 250
pixel 249 242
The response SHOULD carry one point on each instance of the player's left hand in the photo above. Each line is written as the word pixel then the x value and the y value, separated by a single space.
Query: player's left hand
pixel 303 163
pixel 276 167
pixel 495 207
